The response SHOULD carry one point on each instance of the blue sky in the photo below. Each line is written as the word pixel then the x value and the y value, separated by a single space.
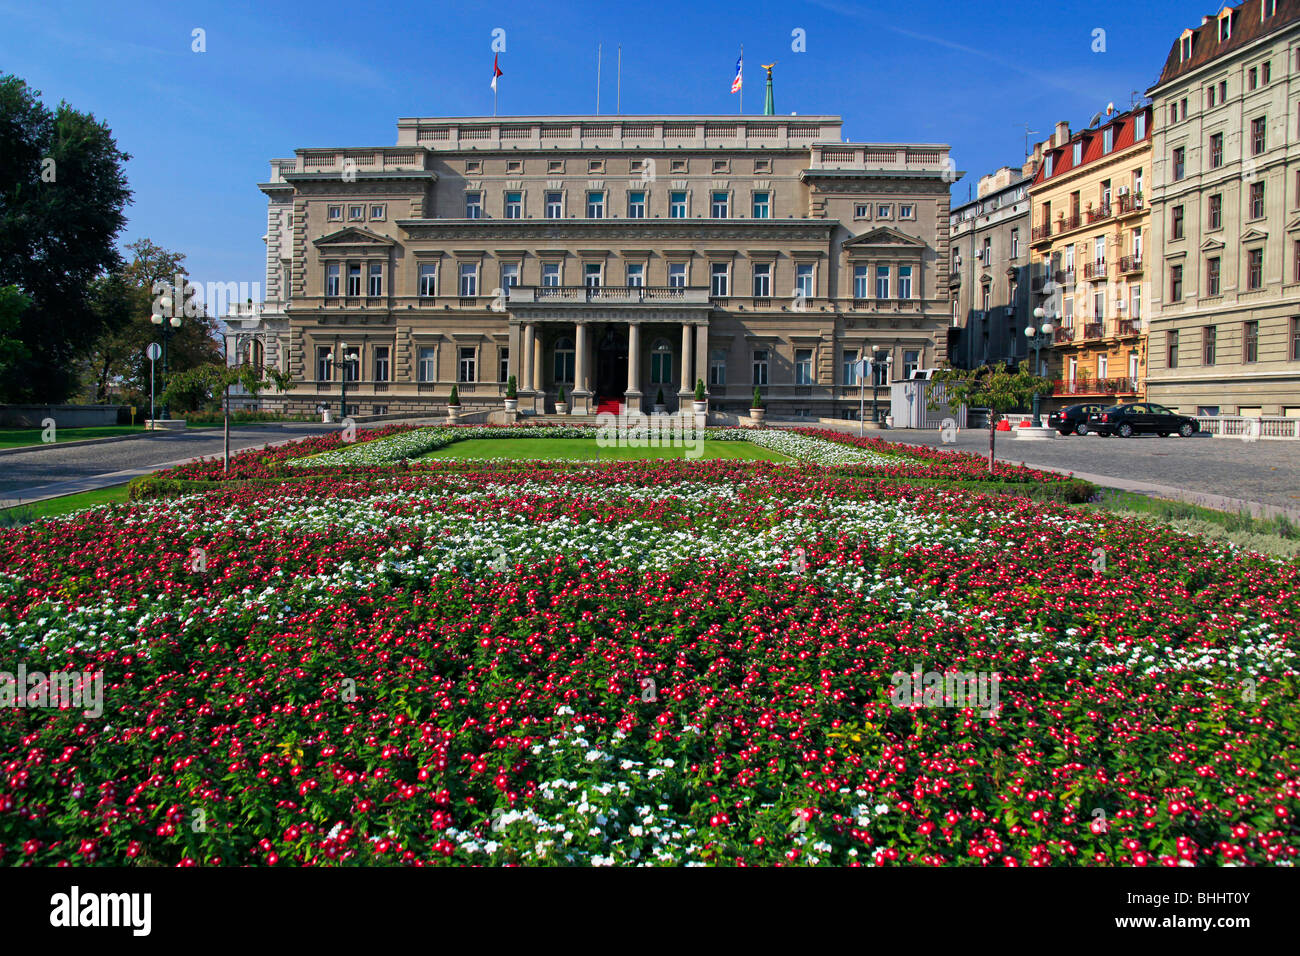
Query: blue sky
pixel 201 127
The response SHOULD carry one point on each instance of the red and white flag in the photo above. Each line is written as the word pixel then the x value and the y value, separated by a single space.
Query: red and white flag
pixel 496 71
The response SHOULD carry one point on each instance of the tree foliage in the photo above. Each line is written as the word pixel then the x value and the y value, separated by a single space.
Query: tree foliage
pixel 995 387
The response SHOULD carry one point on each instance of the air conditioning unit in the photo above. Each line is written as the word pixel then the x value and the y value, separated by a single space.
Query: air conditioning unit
pixel 1123 190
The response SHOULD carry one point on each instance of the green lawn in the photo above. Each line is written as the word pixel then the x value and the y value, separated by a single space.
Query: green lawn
pixel 51 507
pixel 586 449
pixel 19 437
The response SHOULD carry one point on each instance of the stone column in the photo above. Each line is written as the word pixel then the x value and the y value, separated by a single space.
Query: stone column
pixel 702 355
pixel 525 359
pixel 581 394
pixel 539 379
pixel 688 380
pixel 633 393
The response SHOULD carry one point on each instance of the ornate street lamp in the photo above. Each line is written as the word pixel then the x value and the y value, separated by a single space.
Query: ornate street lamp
pixel 345 356
pixel 877 363
pixel 1038 337
pixel 167 325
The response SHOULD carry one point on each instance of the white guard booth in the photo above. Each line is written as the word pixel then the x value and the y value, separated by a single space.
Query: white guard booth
pixel 909 401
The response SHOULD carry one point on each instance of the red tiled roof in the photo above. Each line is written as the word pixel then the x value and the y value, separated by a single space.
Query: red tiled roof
pixel 1092 139
pixel 1247 26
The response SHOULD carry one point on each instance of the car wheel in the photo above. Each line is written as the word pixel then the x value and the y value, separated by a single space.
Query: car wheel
pixel 1081 429
pixel 1186 430
pixel 1125 430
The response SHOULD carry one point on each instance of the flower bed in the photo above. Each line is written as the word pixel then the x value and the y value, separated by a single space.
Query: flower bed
pixel 687 662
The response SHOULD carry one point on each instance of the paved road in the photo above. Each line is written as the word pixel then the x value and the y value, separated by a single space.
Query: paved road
pixel 1263 471
pixel 50 464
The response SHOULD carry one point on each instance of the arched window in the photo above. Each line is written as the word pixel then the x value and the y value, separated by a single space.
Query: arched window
pixel 661 363
pixel 564 360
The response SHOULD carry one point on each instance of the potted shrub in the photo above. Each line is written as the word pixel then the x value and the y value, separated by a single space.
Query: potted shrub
pixel 701 404
pixel 756 410
pixel 561 405
pixel 660 407
pixel 512 395
pixel 453 405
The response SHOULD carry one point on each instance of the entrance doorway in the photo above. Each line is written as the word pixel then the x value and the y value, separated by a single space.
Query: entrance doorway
pixel 611 364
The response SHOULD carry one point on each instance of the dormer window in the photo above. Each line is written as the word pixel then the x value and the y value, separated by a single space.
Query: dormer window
pixel 1050 165
pixel 1225 26
pixel 1108 139
pixel 1078 153
pixel 1267 9
pixel 1185 50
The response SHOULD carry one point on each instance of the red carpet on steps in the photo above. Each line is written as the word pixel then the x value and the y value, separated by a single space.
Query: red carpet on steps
pixel 609 406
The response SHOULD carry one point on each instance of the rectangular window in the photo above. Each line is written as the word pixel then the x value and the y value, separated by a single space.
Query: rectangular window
pixel 1258 127
pixel 1175 283
pixel 911 362
pixel 503 365
pixel 1295 339
pixel 882 282
pixel 1099 306
pixel 592 275
pixel 1140 126
pixel 720 205
pixel 1212 276
pixel 635 275
pixel 1180 163
pixel 636 204
pixel 1216 211
pixel 718 280
pixel 762 280
pixel 762 205
pixel 1176 222
pixel 334 213
pixel 465 365
pixel 375 287
pixel 509 275
pixel 1107 140
pixel 468 279
pixel 904 282
pixel 862 211
pixel 473 205
pixel 555 205
pixel 677 205
pixel 332 279
pixel 676 275
pixel 1210 96
pixel 849 366
pixel 324 363
pixel 1255 269
pixel 377 213
pixel 1295 268
pixel 1266 71
pixel 1250 342
pixel 717 367
pixel 427 369
pixel 354 278
pixel 1252 78
pixel 382 369
pixel 860 282
pixel 564 361
pixel 428 280
pixel 1015 243
pixel 803 280
pixel 1171 350
pixel 1216 150
pixel 550 274
pixel 803 366
pixel 1256 200
pixel 760 367
pixel 514 205
pixel 596 205
pixel 1209 341
pixel 1135 308
pixel 884 212
pixel 906 211
pixel 356 213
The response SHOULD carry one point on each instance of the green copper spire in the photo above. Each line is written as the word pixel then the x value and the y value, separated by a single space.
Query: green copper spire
pixel 769 104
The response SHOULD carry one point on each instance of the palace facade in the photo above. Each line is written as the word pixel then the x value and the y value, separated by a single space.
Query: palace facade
pixel 618 258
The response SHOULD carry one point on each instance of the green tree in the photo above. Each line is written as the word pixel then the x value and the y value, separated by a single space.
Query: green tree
pixel 994 387
pixel 216 379
pixel 63 192
pixel 12 306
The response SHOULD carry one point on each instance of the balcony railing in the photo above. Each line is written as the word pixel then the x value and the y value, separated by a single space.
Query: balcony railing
pixel 1041 232
pixel 1063 334
pixel 1067 223
pixel 1128 327
pixel 1096 386
pixel 609 294
pixel 1092 331
pixel 1099 213
pixel 1095 269
pixel 1130 204
pixel 1130 264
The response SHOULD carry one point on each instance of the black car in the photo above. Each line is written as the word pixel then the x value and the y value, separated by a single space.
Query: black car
pixel 1074 418
pixel 1142 417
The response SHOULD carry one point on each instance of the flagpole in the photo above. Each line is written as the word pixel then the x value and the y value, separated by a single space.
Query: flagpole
pixel 597 79
pixel 742 80
pixel 618 96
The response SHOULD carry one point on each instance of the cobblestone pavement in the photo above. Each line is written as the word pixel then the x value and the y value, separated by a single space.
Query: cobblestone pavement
pixel 45 465
pixel 1263 471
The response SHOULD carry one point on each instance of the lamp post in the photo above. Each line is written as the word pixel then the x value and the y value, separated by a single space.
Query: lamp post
pixel 345 356
pixel 167 324
pixel 877 363
pixel 1038 335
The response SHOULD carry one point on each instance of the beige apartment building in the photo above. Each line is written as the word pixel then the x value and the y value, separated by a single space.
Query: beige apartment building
pixel 614 257
pixel 1225 204
pixel 1089 233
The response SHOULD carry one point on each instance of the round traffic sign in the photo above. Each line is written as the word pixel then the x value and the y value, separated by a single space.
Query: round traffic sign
pixel 153 351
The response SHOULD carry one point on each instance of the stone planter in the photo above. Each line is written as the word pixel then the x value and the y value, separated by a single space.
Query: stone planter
pixel 660 409
pixel 701 408
pixel 512 404
pixel 453 413
pixel 756 415
pixel 561 408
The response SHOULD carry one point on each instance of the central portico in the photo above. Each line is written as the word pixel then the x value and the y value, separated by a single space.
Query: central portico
pixel 622 344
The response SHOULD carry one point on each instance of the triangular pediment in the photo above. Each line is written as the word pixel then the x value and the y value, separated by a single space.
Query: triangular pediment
pixel 1293 225
pixel 884 236
pixel 1254 235
pixel 1211 244
pixel 353 236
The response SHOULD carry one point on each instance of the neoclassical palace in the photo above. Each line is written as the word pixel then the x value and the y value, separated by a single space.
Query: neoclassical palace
pixel 616 258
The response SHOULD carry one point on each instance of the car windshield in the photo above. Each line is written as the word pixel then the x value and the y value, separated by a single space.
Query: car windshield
pixel 1160 410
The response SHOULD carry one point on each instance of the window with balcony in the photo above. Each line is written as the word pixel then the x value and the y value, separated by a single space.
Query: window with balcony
pixel 382 369
pixel 595 205
pixel 677 205
pixel 1255 269
pixel 1250 342
pixel 861 282
pixel 718 284
pixel 468 279
pixel 324 363
pixel 473 205
pixel 904 282
pixel 550 274
pixel 760 367
pixel 563 366
pixel 332 279
pixel 375 285
pixel 849 366
pixel 354 278
pixel 635 275
pixel 803 360
pixel 720 205
pixel 509 275
pixel 465 362
pixel 555 205
pixel 1212 275
pixel 636 204
pixel 803 280
pixel 514 205
pixel 1135 303
pixel 882 282
pixel 676 275
pixel 762 280
pixel 592 274
pixel 762 205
